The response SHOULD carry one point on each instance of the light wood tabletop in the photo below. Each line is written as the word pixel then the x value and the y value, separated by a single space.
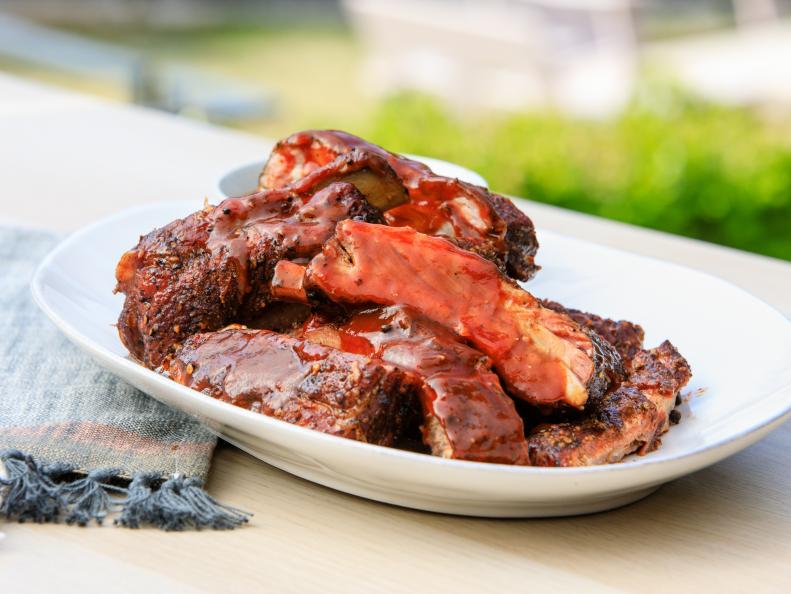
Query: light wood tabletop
pixel 68 160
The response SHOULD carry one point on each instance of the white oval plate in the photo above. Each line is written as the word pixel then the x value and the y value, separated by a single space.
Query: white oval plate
pixel 739 349
pixel 243 180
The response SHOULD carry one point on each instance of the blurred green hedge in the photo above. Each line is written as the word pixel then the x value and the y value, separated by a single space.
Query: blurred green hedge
pixel 669 162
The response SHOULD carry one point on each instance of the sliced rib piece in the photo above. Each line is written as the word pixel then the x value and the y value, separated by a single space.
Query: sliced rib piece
pixel 626 420
pixel 466 414
pixel 542 356
pixel 297 381
pixel 626 337
pixel 470 215
pixel 214 266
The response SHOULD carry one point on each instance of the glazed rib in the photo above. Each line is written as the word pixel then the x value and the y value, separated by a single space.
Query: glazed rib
pixel 298 382
pixel 470 215
pixel 626 420
pixel 214 266
pixel 543 357
pixel 466 414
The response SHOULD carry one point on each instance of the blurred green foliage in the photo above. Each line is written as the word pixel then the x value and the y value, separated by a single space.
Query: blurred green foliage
pixel 669 162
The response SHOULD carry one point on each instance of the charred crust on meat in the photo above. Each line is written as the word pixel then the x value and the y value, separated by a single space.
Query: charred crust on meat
pixel 626 419
pixel 313 386
pixel 608 367
pixel 181 277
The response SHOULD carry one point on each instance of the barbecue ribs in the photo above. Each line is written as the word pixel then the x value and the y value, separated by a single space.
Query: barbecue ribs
pixel 467 415
pixel 362 292
pixel 542 356
pixel 473 217
pixel 214 267
pixel 297 381
pixel 628 419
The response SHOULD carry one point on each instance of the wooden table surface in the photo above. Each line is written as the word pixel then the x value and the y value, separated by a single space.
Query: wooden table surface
pixel 67 160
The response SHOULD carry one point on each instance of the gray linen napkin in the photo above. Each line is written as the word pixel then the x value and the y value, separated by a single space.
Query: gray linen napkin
pixel 72 433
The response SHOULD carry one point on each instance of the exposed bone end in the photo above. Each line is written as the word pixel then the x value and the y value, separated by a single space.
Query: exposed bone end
pixel 368 172
pixel 326 335
pixel 288 282
pixel 382 191
pixel 125 270
pixel 435 435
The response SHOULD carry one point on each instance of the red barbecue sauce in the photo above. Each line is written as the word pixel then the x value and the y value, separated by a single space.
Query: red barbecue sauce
pixel 459 392
pixel 368 264
pixel 438 205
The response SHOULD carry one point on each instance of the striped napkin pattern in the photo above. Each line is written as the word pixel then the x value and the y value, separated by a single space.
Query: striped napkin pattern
pixel 72 434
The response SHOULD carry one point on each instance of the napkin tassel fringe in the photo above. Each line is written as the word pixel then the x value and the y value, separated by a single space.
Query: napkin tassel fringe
pixel 28 491
pixel 88 498
pixel 47 493
pixel 179 503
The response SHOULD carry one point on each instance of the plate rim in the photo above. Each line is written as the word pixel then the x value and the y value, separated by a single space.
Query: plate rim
pixel 694 458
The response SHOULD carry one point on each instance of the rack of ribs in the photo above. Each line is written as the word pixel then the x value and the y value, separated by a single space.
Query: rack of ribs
pixel 543 357
pixel 406 279
pixel 473 217
pixel 625 420
pixel 466 413
pixel 214 267
pixel 297 381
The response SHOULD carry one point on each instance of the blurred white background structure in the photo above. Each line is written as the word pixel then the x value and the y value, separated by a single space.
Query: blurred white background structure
pixel 582 58
pixel 577 55
pixel 748 65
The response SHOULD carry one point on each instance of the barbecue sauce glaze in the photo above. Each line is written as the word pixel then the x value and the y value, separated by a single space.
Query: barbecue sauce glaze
pixel 467 414
pixel 537 352
pixel 437 205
